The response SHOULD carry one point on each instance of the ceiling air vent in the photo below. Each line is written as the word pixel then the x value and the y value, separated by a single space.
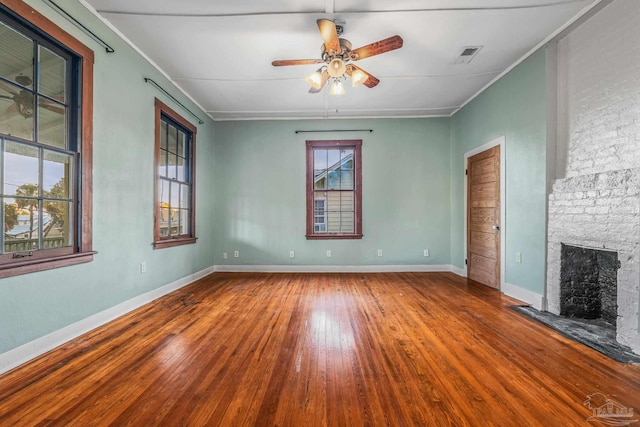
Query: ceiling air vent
pixel 467 54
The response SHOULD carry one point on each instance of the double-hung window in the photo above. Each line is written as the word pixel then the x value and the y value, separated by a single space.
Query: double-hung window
pixel 174 222
pixel 334 189
pixel 45 143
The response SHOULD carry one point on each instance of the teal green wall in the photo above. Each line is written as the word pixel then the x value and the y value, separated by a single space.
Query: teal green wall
pixel 515 107
pixel 260 193
pixel 36 304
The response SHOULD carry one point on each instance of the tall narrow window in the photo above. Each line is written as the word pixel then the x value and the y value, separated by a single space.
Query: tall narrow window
pixel 45 143
pixel 174 219
pixel 334 189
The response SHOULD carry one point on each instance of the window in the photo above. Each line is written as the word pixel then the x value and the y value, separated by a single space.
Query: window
pixel 45 143
pixel 334 189
pixel 174 219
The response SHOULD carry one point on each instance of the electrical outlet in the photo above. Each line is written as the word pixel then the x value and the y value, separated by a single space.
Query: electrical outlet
pixel 328 254
pixel 236 254
pixel 143 267
pixel 379 252
pixel 518 257
pixel 426 252
pixel 292 254
pixel 224 255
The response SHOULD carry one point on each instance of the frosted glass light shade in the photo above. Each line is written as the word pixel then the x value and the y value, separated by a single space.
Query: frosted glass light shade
pixel 337 67
pixel 337 88
pixel 358 77
pixel 315 79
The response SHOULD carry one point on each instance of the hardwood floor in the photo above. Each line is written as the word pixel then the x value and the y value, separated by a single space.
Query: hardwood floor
pixel 426 349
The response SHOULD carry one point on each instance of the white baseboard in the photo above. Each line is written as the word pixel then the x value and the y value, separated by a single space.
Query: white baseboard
pixel 536 300
pixel 39 346
pixel 333 268
pixel 462 272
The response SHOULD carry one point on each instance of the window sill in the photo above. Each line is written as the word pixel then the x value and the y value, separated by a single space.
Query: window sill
pixel 174 242
pixel 333 236
pixel 40 264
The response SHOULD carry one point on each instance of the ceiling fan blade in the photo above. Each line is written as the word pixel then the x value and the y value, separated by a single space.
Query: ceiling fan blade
pixel 325 79
pixel 376 48
pixel 283 62
pixel 10 112
pixel 371 81
pixel 7 89
pixel 51 107
pixel 329 36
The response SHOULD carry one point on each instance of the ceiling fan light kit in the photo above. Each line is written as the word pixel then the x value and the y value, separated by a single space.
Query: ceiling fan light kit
pixel 337 55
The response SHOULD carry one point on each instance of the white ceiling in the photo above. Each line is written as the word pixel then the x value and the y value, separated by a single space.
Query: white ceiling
pixel 220 52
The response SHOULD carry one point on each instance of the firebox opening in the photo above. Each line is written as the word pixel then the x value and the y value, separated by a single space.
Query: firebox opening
pixel 588 284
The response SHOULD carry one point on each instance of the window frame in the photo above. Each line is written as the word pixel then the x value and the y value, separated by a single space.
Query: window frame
pixel 356 145
pixel 81 250
pixel 160 242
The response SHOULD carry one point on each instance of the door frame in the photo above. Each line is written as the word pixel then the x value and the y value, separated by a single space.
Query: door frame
pixel 501 142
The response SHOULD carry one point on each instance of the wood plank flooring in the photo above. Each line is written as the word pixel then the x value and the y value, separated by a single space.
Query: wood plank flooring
pixel 399 349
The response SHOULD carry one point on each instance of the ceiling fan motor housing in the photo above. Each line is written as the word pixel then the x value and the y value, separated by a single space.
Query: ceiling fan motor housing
pixel 345 46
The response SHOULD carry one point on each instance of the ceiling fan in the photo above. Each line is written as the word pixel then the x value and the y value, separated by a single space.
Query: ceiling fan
pixel 23 99
pixel 337 57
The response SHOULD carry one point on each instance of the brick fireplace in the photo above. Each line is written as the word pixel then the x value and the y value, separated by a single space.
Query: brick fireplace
pixel 599 212
pixel 595 203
